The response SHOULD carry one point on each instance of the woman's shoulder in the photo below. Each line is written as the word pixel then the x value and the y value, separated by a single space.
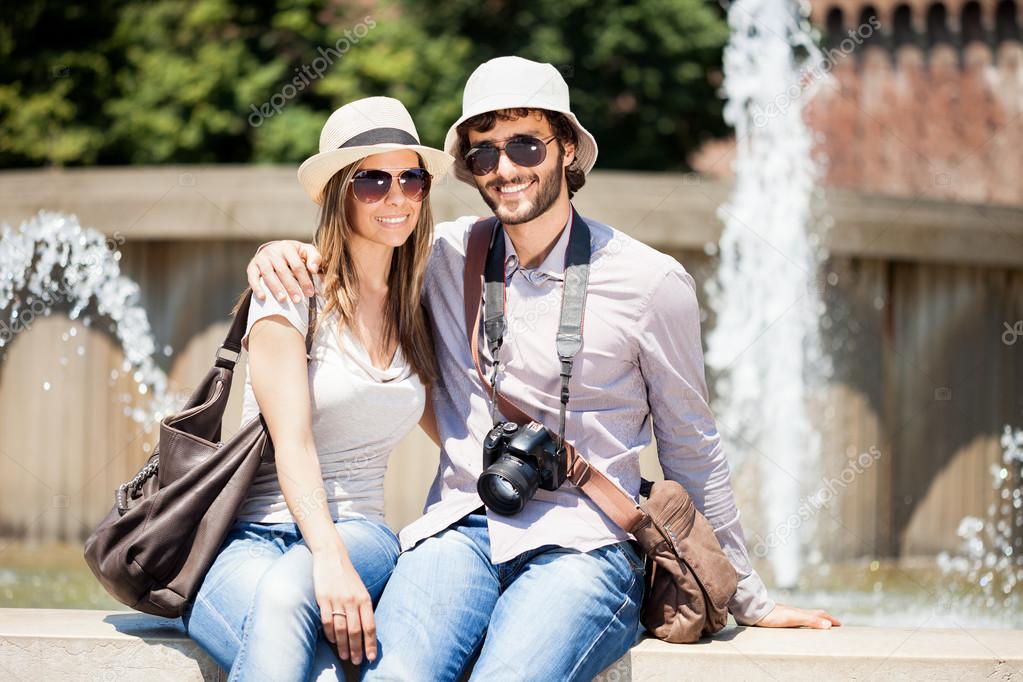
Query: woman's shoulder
pixel 295 312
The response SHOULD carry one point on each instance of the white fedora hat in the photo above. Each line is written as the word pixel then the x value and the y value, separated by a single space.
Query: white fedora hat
pixel 368 126
pixel 513 83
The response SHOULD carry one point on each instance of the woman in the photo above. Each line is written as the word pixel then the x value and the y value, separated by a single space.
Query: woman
pixel 309 553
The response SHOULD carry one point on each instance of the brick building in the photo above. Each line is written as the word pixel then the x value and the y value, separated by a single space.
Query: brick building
pixel 925 99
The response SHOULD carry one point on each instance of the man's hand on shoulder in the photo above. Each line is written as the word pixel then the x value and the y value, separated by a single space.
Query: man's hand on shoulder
pixel 285 267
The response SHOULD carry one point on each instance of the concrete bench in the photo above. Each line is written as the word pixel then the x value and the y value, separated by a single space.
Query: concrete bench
pixel 47 644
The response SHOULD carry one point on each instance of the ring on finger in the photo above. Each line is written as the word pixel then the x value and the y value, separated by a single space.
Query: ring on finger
pixel 339 613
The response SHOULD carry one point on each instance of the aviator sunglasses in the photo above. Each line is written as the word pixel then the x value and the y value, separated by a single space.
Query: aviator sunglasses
pixel 522 150
pixel 372 185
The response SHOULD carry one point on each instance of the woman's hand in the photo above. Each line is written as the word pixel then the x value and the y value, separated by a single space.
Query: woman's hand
pixel 339 590
pixel 784 616
pixel 285 267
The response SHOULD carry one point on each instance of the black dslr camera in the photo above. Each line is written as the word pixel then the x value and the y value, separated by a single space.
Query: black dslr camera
pixel 516 461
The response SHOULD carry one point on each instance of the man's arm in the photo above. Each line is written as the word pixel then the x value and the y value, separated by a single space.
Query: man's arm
pixel 286 267
pixel 688 442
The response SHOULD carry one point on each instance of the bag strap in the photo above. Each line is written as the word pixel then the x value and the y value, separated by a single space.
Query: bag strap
pixel 233 341
pixel 611 499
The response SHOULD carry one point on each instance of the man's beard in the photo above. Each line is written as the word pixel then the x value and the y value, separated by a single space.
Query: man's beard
pixel 549 191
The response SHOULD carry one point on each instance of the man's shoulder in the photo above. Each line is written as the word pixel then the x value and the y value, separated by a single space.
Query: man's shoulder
pixel 614 248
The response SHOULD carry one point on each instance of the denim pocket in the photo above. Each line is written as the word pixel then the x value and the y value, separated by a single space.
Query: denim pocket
pixel 632 555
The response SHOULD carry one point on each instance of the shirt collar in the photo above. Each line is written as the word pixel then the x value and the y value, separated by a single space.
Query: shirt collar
pixel 553 266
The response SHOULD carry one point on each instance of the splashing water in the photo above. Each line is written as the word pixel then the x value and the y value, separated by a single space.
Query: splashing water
pixel 50 261
pixel 765 346
pixel 991 556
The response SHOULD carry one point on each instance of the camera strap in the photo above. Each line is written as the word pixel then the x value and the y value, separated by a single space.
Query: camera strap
pixel 573 306
pixel 484 235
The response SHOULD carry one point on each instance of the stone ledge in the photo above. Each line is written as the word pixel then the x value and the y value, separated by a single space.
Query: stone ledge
pixel 40 644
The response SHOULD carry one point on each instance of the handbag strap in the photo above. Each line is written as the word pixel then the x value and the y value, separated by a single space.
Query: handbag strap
pixel 232 344
pixel 611 499
pixel 233 341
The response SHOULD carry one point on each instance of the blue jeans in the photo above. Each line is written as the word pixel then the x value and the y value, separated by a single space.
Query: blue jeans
pixel 256 613
pixel 549 614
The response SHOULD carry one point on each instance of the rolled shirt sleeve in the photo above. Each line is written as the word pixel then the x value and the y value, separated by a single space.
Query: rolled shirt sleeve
pixel 688 442
pixel 296 314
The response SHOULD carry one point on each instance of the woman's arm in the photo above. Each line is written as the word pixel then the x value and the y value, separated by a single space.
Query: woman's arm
pixel 280 381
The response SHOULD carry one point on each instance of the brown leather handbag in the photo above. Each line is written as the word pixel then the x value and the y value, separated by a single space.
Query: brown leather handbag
pixel 689 580
pixel 153 549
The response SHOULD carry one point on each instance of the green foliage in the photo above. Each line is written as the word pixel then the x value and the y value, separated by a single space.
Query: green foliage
pixel 55 74
pixel 178 81
pixel 643 74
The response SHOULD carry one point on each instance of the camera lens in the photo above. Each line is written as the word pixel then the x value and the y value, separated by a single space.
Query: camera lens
pixel 507 484
pixel 500 495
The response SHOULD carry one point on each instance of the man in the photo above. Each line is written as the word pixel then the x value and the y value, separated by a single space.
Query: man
pixel 552 592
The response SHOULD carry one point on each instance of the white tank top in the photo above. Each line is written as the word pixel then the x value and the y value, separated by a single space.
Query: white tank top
pixel 359 414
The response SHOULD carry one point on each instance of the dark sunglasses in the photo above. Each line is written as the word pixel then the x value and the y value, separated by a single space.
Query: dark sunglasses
pixel 372 185
pixel 522 150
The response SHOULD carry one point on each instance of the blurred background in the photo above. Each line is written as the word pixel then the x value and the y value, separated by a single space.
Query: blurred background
pixel 843 179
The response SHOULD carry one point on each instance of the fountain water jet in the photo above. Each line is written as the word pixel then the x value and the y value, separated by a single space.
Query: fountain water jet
pixel 991 557
pixel 51 260
pixel 765 346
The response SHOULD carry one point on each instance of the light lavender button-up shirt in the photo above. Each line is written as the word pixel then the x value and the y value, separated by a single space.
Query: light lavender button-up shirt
pixel 641 365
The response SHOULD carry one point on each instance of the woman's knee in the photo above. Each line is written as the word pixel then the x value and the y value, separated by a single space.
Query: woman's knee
pixel 284 597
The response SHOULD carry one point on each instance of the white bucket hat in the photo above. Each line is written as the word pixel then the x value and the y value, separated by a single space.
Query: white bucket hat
pixel 513 83
pixel 368 126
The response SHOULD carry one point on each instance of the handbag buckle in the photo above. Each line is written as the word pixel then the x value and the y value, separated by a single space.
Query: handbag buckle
pixel 227 355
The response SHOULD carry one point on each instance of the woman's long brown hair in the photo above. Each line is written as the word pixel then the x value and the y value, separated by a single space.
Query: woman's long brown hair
pixel 404 315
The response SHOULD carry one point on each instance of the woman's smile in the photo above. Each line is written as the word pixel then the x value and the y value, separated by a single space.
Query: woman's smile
pixel 393 220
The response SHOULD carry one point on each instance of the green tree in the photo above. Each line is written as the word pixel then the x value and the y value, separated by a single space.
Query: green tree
pixel 179 81
pixel 384 52
pixel 643 74
pixel 190 70
pixel 56 73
